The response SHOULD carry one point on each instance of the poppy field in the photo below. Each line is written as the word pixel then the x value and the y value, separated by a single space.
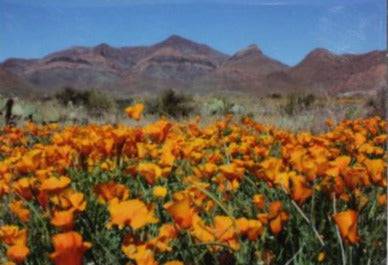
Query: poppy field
pixel 230 192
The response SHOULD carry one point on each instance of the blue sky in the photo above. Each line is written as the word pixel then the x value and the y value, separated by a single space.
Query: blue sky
pixel 285 30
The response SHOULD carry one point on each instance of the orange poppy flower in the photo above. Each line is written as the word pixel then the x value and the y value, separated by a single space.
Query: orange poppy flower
pixel 167 232
pixel 201 231
pixel 63 219
pixel 277 217
pixel 132 212
pixel 18 253
pixel 140 254
pixel 250 228
pixel 382 199
pixel 159 192
pixel 54 184
pixel 135 111
pixel 110 190
pixel 232 171
pixel 69 248
pixel 347 225
pixel 259 201
pixel 43 199
pixel 158 131
pixel 69 199
pixel 107 165
pixel 168 151
pixel 300 192
pixel 20 210
pixel 77 201
pixel 24 187
pixel 375 168
pixel 208 169
pixel 181 211
pixel 174 262
pixel 16 239
pixel 28 162
pixel 336 166
pixel 150 171
pixel 355 177
pixel 4 187
pixel 271 168
pixel 13 235
pixel 224 230
pixel 381 139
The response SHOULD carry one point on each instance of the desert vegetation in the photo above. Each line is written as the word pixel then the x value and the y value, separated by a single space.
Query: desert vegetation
pixel 293 111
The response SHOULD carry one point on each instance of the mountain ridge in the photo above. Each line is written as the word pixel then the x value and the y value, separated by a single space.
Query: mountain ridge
pixel 183 64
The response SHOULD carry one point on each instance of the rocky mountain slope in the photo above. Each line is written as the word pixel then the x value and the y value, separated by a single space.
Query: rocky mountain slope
pixel 182 64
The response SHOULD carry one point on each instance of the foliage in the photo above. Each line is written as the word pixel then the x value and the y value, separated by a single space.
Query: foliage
pixel 275 95
pixel 219 106
pixel 298 102
pixel 69 95
pixel 170 103
pixel 96 102
pixel 123 103
pixel 378 103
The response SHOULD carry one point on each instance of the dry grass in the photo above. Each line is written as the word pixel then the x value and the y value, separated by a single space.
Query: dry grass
pixel 266 110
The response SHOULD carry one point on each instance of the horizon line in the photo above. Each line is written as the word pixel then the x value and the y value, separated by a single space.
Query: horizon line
pixel 190 40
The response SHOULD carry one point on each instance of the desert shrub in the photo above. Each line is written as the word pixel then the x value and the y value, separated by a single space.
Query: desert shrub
pixel 219 106
pixel 123 103
pixel 307 100
pixel 238 109
pixel 97 102
pixel 275 95
pixel 297 102
pixel 94 101
pixel 170 103
pixel 69 95
pixel 50 112
pixel 353 112
pixel 378 104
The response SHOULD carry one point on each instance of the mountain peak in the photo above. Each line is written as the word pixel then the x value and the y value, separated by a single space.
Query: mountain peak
pixel 186 47
pixel 104 49
pixel 253 47
pixel 319 56
pixel 176 40
pixel 251 50
pixel 103 46
pixel 320 53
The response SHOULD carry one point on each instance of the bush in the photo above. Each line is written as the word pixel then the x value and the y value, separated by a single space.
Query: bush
pixel 69 95
pixel 95 102
pixel 298 102
pixel 275 95
pixel 170 103
pixel 238 109
pixel 378 104
pixel 98 102
pixel 219 106
pixel 123 103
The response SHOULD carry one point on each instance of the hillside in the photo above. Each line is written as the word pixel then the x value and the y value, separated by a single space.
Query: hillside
pixel 183 64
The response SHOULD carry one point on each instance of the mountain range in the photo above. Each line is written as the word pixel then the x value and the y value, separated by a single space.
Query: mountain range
pixel 182 64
